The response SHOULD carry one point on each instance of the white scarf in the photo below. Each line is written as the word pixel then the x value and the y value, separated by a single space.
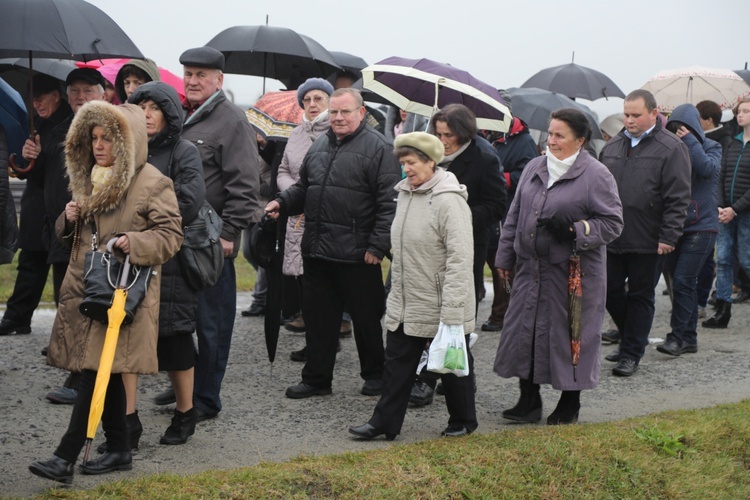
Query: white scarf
pixel 322 116
pixel 557 168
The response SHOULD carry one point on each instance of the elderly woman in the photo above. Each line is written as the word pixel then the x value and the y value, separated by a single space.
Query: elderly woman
pixel 115 194
pixel 431 283
pixel 312 97
pixel 478 168
pixel 566 203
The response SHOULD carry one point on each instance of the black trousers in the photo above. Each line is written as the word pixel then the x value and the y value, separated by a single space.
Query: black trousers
pixel 402 354
pixel 29 286
pixel 113 417
pixel 329 288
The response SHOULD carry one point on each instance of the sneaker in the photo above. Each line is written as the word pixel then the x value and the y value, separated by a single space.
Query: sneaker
pixel 63 396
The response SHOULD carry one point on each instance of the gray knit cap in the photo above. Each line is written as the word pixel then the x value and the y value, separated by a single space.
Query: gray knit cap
pixel 313 84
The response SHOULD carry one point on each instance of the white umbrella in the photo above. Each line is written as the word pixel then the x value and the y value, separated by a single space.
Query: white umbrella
pixel 695 84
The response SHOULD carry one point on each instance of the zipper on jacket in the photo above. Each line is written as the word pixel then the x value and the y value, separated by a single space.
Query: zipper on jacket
pixel 401 262
pixel 439 290
pixel 320 199
pixel 734 176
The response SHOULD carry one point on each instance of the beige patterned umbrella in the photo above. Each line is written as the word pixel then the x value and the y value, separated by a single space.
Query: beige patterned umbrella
pixel 695 84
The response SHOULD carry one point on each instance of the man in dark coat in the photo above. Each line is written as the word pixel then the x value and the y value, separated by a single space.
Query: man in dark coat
pixel 43 199
pixel 346 193
pixel 652 169
pixel 226 143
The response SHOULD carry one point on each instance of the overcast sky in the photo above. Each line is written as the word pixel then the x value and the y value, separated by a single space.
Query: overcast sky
pixel 500 42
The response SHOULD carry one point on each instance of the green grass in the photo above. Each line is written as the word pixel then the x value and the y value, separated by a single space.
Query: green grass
pixel 607 460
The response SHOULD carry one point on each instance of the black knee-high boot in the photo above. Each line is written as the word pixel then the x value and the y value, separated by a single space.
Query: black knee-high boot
pixel 529 406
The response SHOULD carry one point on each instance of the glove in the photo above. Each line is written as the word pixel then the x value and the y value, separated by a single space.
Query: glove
pixel 558 228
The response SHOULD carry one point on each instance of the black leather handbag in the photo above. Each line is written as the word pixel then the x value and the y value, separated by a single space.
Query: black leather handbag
pixel 102 274
pixel 201 257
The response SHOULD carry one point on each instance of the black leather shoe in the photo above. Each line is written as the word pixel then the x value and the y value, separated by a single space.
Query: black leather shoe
pixel 165 398
pixel 455 431
pixel 611 336
pixel 421 394
pixel 613 356
pixel 439 389
pixel 626 367
pixel 741 297
pixel 671 347
pixel 367 431
pixel 491 326
pixel 372 387
pixel 254 310
pixel 302 390
pixel 8 327
pixel 56 468
pixel 299 356
pixel 109 462
pixel 202 415
pixel 689 348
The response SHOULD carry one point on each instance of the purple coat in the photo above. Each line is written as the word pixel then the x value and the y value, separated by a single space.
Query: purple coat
pixel 537 316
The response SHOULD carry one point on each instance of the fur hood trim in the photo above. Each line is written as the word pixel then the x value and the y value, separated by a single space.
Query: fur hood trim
pixel 126 125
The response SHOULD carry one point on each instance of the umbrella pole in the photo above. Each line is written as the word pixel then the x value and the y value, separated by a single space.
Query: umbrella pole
pixel 13 169
pixel 87 450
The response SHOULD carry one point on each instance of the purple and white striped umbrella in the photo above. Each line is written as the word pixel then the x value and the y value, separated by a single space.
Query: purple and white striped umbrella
pixel 423 86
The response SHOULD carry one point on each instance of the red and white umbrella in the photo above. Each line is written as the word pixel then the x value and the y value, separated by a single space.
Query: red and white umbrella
pixel 695 84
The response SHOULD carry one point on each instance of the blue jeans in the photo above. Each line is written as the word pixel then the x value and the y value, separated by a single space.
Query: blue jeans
pixel 685 264
pixel 734 236
pixel 217 306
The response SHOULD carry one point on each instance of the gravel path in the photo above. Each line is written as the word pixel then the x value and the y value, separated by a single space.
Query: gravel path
pixel 259 424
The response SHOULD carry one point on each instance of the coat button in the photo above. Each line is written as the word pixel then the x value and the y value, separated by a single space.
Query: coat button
pixel 532 235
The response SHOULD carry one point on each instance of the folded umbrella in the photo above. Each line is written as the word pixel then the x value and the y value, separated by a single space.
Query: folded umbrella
pixel 115 316
pixel 423 86
pixel 275 114
pixel 575 304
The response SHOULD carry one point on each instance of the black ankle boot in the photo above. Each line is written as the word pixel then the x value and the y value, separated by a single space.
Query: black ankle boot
pixel 135 429
pixel 567 409
pixel 722 316
pixel 529 406
pixel 181 428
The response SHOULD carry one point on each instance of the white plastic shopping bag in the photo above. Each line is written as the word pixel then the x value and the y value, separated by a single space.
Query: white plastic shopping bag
pixel 448 352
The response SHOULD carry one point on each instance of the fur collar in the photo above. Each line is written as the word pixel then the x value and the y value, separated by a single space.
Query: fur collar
pixel 127 126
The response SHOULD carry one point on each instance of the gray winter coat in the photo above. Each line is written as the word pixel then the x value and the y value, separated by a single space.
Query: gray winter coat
pixel 433 256
pixel 299 143
pixel 537 316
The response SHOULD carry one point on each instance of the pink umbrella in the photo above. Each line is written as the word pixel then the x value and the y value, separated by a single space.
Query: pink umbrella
pixel 110 67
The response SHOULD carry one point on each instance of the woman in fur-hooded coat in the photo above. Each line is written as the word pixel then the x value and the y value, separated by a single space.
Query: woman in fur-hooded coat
pixel 131 199
pixel 138 202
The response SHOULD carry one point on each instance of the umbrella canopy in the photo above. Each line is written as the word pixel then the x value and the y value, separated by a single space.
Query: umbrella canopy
pixel 110 67
pixel 56 68
pixel 694 84
pixel 349 62
pixel 273 52
pixel 422 86
pixel 534 107
pixel 275 114
pixel 13 118
pixel 744 74
pixel 575 82
pixel 67 29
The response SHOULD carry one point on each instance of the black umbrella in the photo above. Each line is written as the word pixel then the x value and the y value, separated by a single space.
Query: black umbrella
pixel 534 106
pixel 67 29
pixel 744 74
pixel 272 52
pixel 266 241
pixel 349 62
pixel 15 71
pixel 575 81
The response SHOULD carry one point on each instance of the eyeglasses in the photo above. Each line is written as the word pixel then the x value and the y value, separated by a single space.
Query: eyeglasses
pixel 316 100
pixel 343 112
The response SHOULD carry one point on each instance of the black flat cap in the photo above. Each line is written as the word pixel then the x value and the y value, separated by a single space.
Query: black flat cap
pixel 203 57
pixel 88 75
pixel 44 84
